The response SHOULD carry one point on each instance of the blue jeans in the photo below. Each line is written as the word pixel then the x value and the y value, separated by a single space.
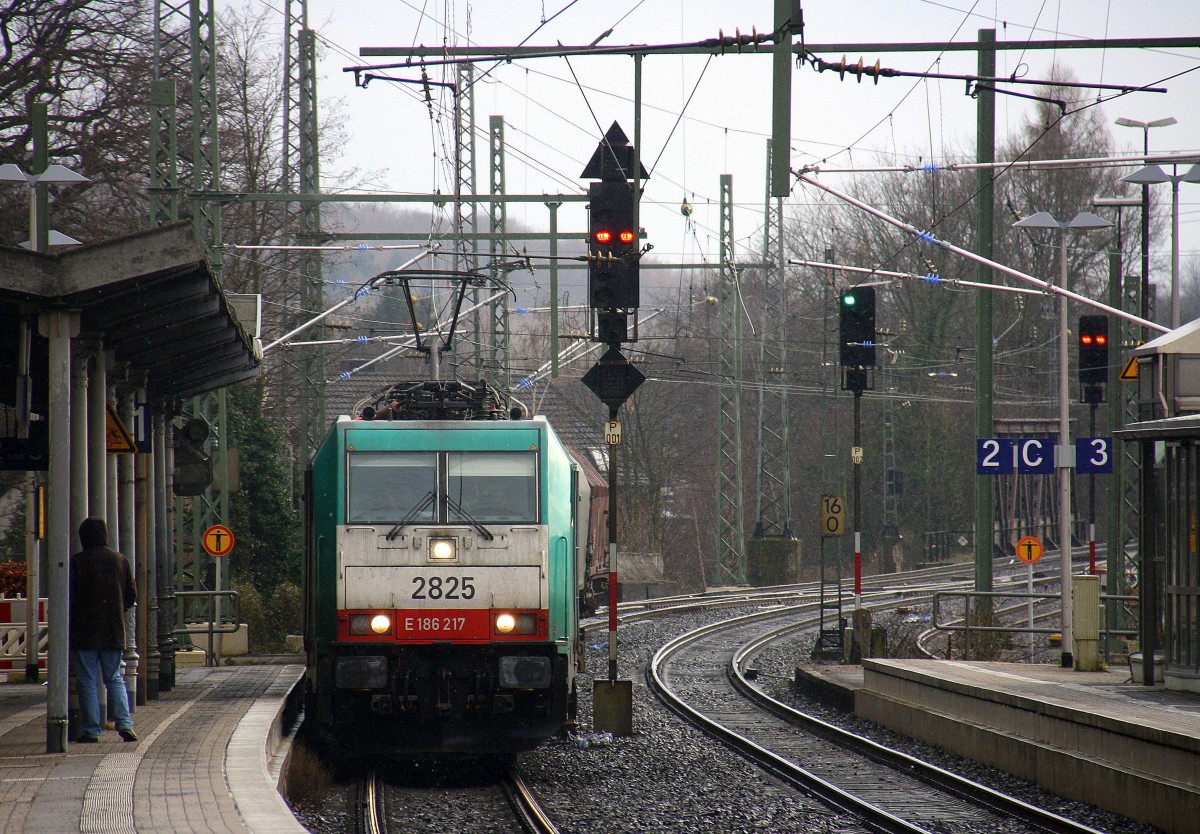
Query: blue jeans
pixel 107 664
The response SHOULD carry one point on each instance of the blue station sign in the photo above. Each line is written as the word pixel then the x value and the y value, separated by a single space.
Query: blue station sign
pixel 1035 455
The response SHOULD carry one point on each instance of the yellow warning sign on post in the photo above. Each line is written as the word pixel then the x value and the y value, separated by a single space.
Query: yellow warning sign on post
pixel 1130 372
pixel 1029 549
pixel 117 439
pixel 218 540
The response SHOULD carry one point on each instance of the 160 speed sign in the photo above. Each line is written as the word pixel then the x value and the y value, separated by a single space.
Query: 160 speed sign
pixel 833 515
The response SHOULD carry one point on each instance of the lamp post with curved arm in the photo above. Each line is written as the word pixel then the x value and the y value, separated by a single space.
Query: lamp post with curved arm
pixel 1063 454
pixel 1150 175
pixel 1145 128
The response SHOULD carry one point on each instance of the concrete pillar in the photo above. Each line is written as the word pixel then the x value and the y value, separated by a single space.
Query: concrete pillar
pixel 1085 617
pixel 33 554
pixel 95 420
pixel 167 642
pixel 111 490
pixel 80 453
pixel 127 515
pixel 59 326
pixel 144 465
pixel 158 527
pixel 97 399
pixel 79 439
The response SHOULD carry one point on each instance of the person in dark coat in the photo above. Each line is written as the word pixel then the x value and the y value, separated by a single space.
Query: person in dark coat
pixel 101 592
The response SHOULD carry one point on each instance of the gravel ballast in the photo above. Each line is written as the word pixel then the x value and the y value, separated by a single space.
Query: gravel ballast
pixel 670 777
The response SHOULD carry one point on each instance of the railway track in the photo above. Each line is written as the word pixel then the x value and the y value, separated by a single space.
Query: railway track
pixel 702 675
pixel 502 806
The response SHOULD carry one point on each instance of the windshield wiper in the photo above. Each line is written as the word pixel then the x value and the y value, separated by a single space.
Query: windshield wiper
pixel 483 531
pixel 411 516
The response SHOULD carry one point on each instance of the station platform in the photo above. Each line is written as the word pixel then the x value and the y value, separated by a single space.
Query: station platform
pixel 207 760
pixel 1095 737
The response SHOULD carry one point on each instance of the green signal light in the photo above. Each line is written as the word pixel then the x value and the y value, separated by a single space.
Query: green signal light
pixel 849 300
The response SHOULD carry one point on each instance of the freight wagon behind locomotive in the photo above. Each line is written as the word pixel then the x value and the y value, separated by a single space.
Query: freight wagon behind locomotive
pixel 443 568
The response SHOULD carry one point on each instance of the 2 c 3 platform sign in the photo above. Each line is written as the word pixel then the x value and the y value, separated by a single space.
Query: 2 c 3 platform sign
pixel 833 515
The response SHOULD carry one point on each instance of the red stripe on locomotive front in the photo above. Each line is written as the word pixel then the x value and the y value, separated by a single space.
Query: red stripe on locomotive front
pixel 441 625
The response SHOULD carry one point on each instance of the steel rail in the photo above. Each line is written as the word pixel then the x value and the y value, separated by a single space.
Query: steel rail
pixel 525 805
pixel 370 817
pixel 876 818
pixel 960 786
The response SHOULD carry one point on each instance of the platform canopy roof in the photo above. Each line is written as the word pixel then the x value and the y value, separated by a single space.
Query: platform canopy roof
pixel 1184 427
pixel 152 299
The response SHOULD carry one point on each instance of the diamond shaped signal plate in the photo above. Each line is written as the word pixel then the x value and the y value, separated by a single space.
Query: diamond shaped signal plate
pixel 613 379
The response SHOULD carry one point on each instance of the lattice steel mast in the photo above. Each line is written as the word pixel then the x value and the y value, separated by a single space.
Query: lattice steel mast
pixel 731 536
pixel 498 360
pixel 302 167
pixel 774 469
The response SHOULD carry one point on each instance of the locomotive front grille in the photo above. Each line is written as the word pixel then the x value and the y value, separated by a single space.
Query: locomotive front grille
pixel 361 672
pixel 522 672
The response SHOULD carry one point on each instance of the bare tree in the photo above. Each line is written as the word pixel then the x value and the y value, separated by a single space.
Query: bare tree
pixel 88 60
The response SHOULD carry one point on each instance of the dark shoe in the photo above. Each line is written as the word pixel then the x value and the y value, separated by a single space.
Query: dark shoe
pixel 86 740
pixel 128 734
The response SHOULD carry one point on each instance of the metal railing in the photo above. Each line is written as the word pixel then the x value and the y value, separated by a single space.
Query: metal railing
pixel 963 621
pixel 186 613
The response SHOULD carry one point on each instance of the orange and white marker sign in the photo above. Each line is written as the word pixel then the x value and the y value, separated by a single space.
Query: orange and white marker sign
pixel 1029 550
pixel 218 540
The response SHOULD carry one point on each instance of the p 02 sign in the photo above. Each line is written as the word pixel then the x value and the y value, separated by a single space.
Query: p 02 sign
pixel 1093 455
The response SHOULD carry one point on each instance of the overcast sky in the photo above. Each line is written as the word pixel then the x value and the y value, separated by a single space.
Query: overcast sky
pixel 553 121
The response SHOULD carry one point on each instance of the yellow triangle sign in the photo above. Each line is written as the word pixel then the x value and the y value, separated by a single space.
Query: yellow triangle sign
pixel 117 439
pixel 1130 372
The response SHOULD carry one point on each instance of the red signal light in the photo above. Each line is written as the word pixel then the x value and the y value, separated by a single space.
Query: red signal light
pixel 627 237
pixel 1085 339
pixel 604 236
pixel 1101 339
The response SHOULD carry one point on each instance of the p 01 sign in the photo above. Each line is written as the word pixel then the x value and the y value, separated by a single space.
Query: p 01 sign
pixel 1093 455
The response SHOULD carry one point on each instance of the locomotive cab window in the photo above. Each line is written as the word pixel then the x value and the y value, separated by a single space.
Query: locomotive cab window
pixel 386 487
pixel 495 487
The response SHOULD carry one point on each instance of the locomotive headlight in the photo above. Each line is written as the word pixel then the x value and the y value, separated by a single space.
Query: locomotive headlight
pixel 516 623
pixel 442 550
pixel 370 624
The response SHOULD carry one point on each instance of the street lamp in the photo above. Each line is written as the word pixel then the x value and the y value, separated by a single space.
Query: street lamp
pixel 1082 221
pixel 1154 174
pixel 1145 127
pixel 56 174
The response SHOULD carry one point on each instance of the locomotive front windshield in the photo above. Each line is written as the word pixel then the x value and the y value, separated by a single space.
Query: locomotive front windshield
pixel 491 487
pixel 390 486
pixel 474 487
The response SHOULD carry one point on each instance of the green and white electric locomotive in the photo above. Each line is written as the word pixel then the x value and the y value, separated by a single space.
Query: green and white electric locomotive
pixel 444 559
